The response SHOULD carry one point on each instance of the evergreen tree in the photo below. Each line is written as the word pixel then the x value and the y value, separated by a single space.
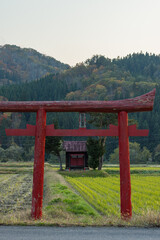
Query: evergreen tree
pixel 54 146
pixel 102 120
pixel 95 151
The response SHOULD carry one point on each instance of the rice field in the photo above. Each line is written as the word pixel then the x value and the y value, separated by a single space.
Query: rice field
pixel 15 188
pixel 103 193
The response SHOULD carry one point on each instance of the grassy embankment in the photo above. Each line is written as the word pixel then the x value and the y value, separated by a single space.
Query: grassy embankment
pixel 79 198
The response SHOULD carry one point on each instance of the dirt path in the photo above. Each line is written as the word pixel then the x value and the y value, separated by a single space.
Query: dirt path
pixel 52 175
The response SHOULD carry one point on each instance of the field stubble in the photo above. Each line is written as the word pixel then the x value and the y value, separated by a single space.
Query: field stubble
pixel 15 190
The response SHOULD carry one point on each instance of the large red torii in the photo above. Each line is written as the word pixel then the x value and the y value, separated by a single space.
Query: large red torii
pixel 40 131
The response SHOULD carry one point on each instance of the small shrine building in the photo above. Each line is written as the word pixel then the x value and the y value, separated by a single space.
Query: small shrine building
pixel 76 154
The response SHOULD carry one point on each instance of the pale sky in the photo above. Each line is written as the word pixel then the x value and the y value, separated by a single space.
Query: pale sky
pixel 73 30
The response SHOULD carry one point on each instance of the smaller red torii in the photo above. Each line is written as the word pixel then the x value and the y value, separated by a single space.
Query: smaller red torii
pixel 40 131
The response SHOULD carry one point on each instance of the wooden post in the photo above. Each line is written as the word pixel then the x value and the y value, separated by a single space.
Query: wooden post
pixel 38 174
pixel 125 180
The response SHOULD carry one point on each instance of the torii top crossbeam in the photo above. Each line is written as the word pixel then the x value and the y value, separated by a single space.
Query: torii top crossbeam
pixel 137 104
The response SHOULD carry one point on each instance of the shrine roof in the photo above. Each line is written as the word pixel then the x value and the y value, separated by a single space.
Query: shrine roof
pixel 75 146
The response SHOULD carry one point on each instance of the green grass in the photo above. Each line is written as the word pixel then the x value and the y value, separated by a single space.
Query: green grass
pixel 101 189
pixel 99 192
pixel 151 170
pixel 145 193
pixel 62 203
pixel 64 199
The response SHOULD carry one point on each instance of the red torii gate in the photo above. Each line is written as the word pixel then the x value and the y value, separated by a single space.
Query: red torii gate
pixel 40 131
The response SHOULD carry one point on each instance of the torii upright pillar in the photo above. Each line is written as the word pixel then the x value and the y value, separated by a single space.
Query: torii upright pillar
pixel 38 172
pixel 124 161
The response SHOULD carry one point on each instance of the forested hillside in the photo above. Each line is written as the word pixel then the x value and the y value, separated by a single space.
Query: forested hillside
pixel 98 78
pixel 25 64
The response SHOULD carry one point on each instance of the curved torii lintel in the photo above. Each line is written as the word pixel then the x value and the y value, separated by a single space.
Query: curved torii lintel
pixel 138 104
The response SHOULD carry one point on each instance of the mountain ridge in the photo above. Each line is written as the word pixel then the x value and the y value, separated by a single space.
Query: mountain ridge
pixel 26 64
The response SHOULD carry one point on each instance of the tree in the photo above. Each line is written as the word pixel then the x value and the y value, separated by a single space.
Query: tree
pixel 156 154
pixel 54 146
pixel 137 155
pixel 4 123
pixel 98 60
pixel 102 120
pixel 2 155
pixel 14 153
pixel 95 151
pixel 146 155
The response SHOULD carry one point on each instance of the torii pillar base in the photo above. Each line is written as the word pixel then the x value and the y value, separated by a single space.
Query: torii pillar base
pixel 38 173
pixel 124 161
